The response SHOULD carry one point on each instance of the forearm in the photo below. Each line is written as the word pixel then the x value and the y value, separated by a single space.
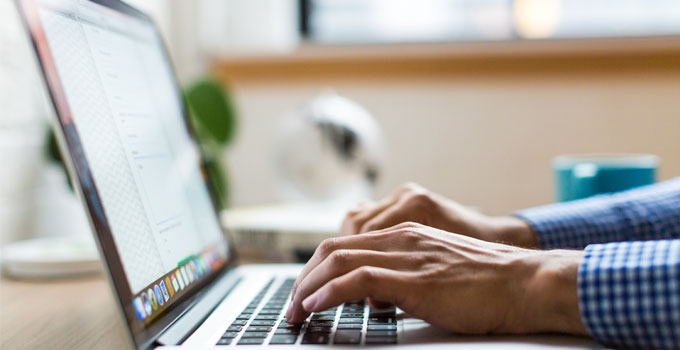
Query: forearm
pixel 652 212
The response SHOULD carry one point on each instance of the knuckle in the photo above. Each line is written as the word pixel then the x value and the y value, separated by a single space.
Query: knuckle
pixel 353 213
pixel 340 257
pixel 327 246
pixel 366 274
pixel 410 187
pixel 419 199
pixel 420 260
pixel 410 235
pixel 411 225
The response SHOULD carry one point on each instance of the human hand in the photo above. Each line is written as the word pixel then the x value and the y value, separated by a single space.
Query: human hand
pixel 413 203
pixel 454 282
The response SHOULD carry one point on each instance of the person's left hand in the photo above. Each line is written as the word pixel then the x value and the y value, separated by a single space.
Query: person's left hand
pixel 452 281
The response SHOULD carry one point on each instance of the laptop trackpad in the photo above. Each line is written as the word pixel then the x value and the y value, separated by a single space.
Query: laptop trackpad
pixel 416 331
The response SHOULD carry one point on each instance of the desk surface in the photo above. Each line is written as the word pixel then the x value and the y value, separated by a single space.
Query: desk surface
pixel 74 314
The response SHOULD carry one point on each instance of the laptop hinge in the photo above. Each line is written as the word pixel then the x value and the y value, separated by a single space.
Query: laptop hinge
pixel 199 312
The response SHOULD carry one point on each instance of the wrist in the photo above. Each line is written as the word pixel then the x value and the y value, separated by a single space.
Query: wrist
pixel 551 294
pixel 515 231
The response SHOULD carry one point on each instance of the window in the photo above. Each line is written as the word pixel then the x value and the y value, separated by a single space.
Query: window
pixel 395 21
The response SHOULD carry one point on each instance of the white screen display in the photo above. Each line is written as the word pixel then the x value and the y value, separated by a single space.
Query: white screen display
pixel 128 114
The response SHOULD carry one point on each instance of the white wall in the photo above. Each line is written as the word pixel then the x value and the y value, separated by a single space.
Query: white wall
pixel 485 141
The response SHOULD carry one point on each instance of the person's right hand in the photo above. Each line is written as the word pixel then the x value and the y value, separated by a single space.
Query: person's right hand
pixel 411 202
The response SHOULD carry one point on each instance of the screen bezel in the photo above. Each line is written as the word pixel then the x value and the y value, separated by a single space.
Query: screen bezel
pixel 71 147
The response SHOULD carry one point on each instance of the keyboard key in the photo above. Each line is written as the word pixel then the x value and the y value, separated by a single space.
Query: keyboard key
pixel 352 309
pixel 229 334
pixel 224 341
pixel 350 326
pixel 381 340
pixel 244 316
pixel 283 339
pixel 347 337
pixel 251 341
pixel 382 327
pixel 389 312
pixel 269 312
pixel 351 320
pixel 353 314
pixel 318 330
pixel 239 323
pixel 287 331
pixel 254 335
pixel 259 329
pixel 267 317
pixel 235 328
pixel 283 325
pixel 323 317
pixel 381 334
pixel 318 338
pixel 376 320
pixel 320 323
pixel 263 322
pixel 327 312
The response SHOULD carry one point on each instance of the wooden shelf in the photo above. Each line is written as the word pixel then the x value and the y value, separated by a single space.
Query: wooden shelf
pixel 311 61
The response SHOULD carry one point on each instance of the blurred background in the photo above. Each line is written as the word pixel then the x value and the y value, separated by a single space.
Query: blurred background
pixel 470 98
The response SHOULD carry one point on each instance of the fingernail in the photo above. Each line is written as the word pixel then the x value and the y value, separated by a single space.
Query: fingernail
pixel 310 302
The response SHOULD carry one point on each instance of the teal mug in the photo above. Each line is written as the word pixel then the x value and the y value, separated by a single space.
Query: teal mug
pixel 581 176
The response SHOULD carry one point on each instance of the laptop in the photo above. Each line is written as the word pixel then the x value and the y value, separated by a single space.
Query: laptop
pixel 123 129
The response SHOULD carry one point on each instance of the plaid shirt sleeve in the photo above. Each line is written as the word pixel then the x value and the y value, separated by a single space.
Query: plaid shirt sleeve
pixel 644 213
pixel 629 290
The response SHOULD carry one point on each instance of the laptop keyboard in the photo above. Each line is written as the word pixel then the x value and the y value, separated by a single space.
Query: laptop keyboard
pixel 353 323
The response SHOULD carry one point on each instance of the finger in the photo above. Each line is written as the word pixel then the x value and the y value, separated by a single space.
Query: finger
pixel 382 240
pixel 357 217
pixel 378 304
pixel 391 216
pixel 373 242
pixel 376 283
pixel 339 263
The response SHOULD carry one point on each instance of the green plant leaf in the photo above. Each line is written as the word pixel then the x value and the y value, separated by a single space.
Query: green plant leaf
pixel 212 111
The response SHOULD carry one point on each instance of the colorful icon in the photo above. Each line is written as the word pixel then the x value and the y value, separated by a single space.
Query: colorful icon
pixel 201 265
pixel 164 291
pixel 175 283
pixel 207 262
pixel 187 268
pixel 139 308
pixel 146 304
pixel 152 299
pixel 159 295
pixel 196 268
pixel 170 289
pixel 184 274
pixel 180 280
pixel 192 266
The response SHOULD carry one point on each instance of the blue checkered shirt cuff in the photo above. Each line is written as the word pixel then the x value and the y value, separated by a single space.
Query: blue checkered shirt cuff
pixel 645 213
pixel 629 293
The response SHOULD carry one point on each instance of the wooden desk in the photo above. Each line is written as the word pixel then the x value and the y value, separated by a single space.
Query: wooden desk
pixel 73 314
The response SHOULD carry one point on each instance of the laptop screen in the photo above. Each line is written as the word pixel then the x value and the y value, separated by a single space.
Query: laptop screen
pixel 138 167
